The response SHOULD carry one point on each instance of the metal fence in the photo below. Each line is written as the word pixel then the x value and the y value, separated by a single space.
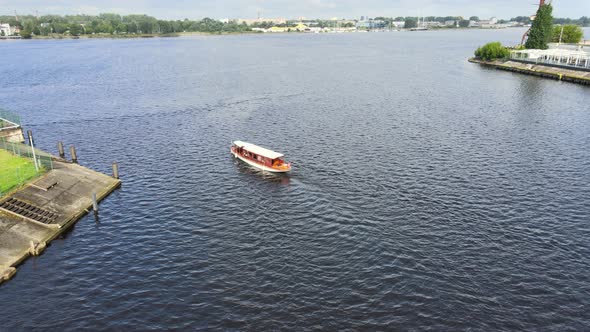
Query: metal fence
pixel 20 163
pixel 9 119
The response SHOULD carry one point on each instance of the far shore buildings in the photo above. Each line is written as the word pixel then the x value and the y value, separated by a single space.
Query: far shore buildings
pixel 301 24
pixel 261 20
pixel 492 23
pixel 7 30
pixel 370 24
pixel 298 28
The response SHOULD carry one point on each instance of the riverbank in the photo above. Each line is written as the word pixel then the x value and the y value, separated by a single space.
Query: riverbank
pixel 556 73
pixel 132 36
pixel 107 36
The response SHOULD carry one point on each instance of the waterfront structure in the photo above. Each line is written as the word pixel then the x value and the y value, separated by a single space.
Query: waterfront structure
pixel 555 57
pixel 398 24
pixel 261 19
pixel 560 73
pixel 6 30
pixel 46 206
pixel 371 24
pixel 298 28
pixel 492 23
pixel 10 127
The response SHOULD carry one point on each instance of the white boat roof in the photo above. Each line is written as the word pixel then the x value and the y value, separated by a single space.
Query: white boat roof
pixel 258 150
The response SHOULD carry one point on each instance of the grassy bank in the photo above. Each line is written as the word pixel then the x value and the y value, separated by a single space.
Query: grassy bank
pixel 14 171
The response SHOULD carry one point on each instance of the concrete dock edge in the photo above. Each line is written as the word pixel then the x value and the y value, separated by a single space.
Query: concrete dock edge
pixel 559 74
pixel 81 180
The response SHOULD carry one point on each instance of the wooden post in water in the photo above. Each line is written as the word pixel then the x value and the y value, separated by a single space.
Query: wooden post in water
pixel 60 149
pixel 115 170
pixel 30 133
pixel 74 155
pixel 94 203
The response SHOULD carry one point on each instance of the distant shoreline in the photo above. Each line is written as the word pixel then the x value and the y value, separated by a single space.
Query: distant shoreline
pixel 131 36
pixel 195 33
pixel 105 36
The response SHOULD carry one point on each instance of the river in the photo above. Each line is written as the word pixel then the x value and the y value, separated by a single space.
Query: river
pixel 427 192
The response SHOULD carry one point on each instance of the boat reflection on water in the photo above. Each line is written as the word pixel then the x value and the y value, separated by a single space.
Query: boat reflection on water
pixel 279 178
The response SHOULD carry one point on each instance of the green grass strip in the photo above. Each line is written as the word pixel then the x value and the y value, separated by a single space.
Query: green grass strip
pixel 15 171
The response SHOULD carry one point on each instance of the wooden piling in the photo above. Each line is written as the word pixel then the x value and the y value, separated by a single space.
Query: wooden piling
pixel 60 149
pixel 94 204
pixel 30 133
pixel 74 155
pixel 115 170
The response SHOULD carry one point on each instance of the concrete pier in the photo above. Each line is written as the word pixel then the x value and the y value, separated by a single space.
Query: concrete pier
pixel 556 73
pixel 12 134
pixel 10 128
pixel 32 216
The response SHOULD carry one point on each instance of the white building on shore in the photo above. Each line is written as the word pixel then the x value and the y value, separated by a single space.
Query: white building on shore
pixel 6 30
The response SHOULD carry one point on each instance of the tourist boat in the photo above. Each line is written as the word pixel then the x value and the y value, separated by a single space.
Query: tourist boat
pixel 260 157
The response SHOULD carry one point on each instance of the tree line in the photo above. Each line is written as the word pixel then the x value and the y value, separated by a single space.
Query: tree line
pixel 116 24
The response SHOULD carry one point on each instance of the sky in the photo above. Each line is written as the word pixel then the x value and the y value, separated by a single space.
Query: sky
pixel 195 9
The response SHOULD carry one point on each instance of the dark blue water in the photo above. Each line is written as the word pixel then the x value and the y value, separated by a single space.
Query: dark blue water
pixel 428 193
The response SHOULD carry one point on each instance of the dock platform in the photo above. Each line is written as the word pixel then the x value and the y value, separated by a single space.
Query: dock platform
pixel 556 73
pixel 32 216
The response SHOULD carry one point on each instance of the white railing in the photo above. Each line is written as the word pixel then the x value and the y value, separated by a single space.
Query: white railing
pixel 561 58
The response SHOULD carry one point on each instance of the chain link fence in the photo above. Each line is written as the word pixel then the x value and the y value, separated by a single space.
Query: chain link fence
pixel 9 119
pixel 20 163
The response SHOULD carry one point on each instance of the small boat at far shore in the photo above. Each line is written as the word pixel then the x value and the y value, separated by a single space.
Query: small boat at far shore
pixel 260 157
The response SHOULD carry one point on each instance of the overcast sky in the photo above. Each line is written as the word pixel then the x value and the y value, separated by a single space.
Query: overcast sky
pixel 194 9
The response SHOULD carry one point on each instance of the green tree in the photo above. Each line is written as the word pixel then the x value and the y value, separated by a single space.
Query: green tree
pixel 464 23
pixel 122 28
pixel 410 22
pixel 474 18
pixel 59 27
pixel 2 33
pixel 572 34
pixel 26 34
pixel 542 29
pixel 45 30
pixel 105 27
pixel 492 51
pixel 75 29
pixel 132 27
